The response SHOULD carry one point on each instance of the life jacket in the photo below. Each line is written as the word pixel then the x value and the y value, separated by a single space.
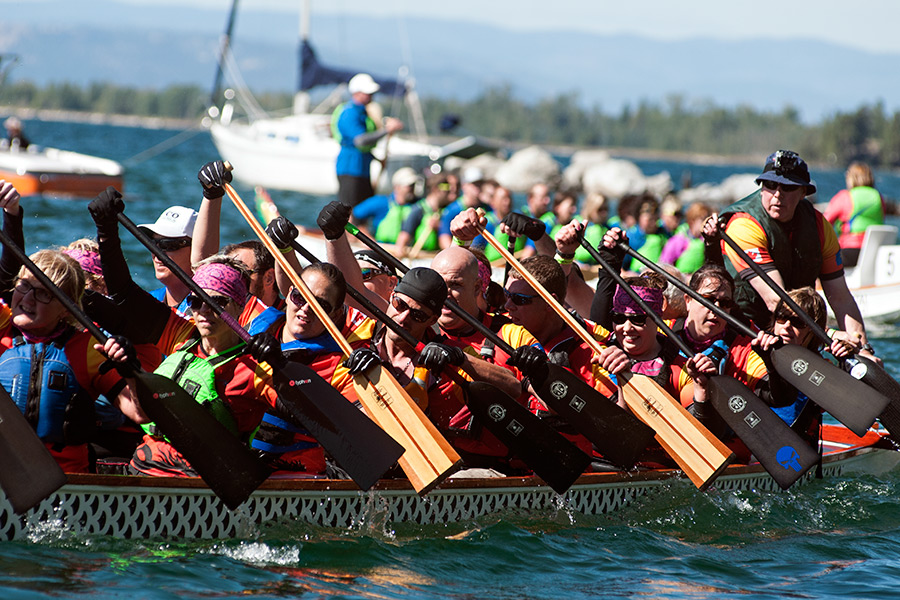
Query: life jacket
pixel 489 251
pixel 693 256
pixel 264 320
pixel 42 383
pixel 866 211
pixel 431 242
pixel 197 376
pixel 336 133
pixel 593 233
pixel 390 226
pixel 796 252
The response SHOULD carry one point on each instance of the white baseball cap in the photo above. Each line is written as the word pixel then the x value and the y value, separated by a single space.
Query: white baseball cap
pixel 364 83
pixel 404 176
pixel 175 222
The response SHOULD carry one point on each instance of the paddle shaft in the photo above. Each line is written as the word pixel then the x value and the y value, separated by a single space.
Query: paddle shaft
pixel 176 270
pixel 717 310
pixel 785 297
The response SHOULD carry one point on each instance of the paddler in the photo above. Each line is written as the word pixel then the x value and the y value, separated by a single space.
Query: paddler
pixel 781 231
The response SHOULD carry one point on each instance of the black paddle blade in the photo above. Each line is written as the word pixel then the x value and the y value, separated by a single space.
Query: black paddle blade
pixel 877 378
pixel 227 466
pixel 777 447
pixel 552 457
pixel 850 401
pixel 360 446
pixel 29 473
pixel 618 435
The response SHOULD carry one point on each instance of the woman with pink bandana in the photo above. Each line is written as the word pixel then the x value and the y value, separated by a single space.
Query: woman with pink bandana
pixel 213 366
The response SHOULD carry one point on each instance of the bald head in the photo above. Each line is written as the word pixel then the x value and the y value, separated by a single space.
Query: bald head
pixel 459 268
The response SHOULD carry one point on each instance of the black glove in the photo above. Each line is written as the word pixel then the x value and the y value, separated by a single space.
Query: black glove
pixel 528 359
pixel 213 178
pixel 521 225
pixel 435 356
pixel 105 208
pixel 361 360
pixel 332 219
pixel 281 231
pixel 263 347
pixel 131 364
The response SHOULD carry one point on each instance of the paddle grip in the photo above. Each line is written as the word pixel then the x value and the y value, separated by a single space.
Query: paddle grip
pixel 170 264
pixel 810 322
pixel 455 308
pixel 726 316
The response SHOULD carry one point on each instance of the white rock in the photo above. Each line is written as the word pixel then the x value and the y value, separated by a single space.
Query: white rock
pixel 615 178
pixel 527 167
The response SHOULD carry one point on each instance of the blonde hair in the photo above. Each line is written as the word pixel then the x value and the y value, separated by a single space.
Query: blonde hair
pixel 63 270
pixel 697 210
pixel 593 204
pixel 859 174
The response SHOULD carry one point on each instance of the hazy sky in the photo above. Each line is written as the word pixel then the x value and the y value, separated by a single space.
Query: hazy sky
pixel 866 24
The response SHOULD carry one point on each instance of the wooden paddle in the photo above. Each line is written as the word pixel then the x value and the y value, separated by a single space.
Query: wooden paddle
pixel 428 458
pixel 552 457
pixel 619 436
pixel 363 450
pixel 777 447
pixel 852 403
pixel 851 398
pixel 230 469
pixel 696 450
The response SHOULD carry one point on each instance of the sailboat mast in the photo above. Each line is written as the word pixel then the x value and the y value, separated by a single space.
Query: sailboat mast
pixel 301 98
pixel 224 44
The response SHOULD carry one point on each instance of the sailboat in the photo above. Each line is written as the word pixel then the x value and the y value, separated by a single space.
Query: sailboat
pixel 297 152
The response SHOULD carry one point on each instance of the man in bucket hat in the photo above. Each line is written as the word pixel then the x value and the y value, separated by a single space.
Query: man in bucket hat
pixel 780 230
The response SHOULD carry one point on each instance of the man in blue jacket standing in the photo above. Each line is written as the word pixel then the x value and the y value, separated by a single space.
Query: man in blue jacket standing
pixel 357 134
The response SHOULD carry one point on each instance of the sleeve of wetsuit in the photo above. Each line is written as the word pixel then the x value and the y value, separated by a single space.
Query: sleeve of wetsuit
pixel 9 263
pixel 601 306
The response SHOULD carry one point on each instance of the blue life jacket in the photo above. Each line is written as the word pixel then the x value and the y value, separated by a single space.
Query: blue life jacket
pixel 42 383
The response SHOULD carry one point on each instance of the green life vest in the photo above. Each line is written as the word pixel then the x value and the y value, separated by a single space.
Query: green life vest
pixel 866 209
pixel 693 256
pixel 431 242
pixel 795 249
pixel 392 223
pixel 653 246
pixel 197 376
pixel 336 133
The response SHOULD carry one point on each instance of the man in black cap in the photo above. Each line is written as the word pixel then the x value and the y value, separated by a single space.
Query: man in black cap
pixel 782 232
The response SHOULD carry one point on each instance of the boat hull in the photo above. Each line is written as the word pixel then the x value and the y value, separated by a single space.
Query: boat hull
pixel 141 507
pixel 54 172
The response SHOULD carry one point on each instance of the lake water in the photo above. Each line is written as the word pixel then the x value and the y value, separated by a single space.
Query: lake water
pixel 836 538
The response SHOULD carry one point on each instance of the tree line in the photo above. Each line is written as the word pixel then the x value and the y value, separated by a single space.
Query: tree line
pixel 868 133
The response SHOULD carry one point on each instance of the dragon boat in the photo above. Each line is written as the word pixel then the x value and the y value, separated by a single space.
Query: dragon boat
pixel 185 508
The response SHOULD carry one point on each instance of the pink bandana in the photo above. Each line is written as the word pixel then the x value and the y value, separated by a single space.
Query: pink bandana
pixel 622 302
pixel 484 276
pixel 222 279
pixel 89 261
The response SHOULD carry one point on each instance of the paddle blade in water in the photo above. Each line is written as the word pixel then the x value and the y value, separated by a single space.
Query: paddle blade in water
pixel 360 446
pixel 552 457
pixel 848 400
pixel 618 435
pixel 777 447
pixel 28 473
pixel 227 466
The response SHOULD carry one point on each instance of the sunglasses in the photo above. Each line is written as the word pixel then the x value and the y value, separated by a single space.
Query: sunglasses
pixel 620 318
pixel 419 316
pixel 795 321
pixel 369 273
pixel 723 303
pixel 171 244
pixel 40 294
pixel 299 301
pixel 785 187
pixel 196 303
pixel 519 299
